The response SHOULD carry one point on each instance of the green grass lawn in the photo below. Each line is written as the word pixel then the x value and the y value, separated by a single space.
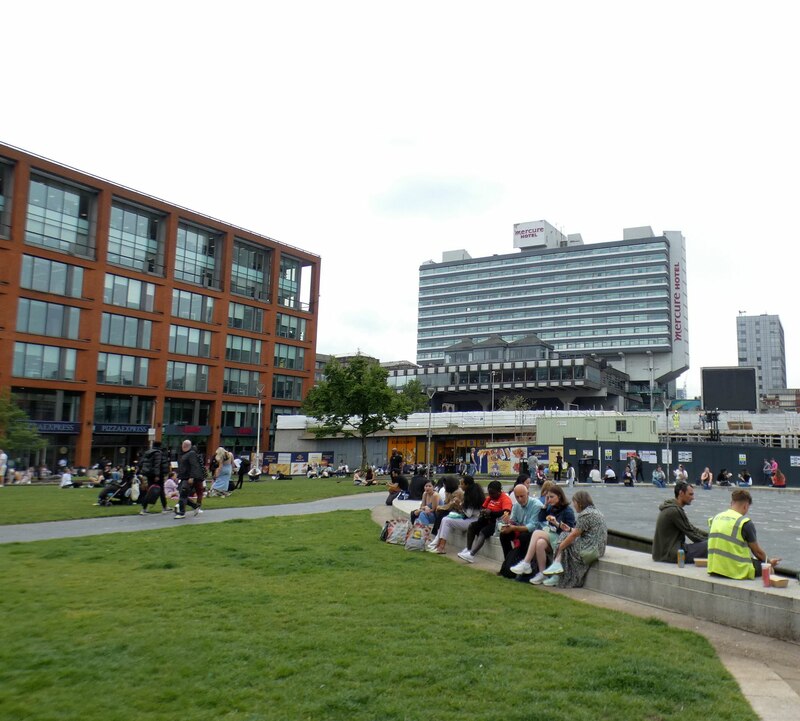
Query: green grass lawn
pixel 313 618
pixel 32 504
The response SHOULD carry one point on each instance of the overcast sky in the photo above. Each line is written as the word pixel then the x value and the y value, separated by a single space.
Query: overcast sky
pixel 379 135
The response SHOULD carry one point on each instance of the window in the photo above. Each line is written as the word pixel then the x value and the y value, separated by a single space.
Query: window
pixel 289 326
pixel 59 217
pixel 189 341
pixel 122 370
pixel 49 276
pixel 5 200
pixel 187 376
pixel 125 331
pixel 196 256
pixel 243 350
pixel 134 239
pixel 182 413
pixel 36 316
pixel 250 270
pixel 239 414
pixel 245 317
pixel 289 282
pixel 192 306
pixel 44 361
pixel 122 409
pixel 289 356
pixel 621 426
pixel 49 405
pixel 128 292
pixel 287 387
pixel 237 382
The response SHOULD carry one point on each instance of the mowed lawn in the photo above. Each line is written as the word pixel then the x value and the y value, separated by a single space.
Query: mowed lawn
pixel 33 504
pixel 313 618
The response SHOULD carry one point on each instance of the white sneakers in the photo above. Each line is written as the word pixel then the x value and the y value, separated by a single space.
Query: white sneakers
pixel 521 568
pixel 465 555
pixel 537 579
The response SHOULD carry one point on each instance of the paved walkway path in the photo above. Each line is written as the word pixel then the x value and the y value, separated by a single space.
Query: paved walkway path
pixel 129 524
pixel 765 669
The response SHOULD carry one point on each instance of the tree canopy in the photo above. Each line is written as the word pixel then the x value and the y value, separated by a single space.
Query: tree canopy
pixel 355 400
pixel 16 431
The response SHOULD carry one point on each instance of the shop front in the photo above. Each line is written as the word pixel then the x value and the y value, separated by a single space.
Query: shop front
pixel 120 443
pixel 174 435
pixel 62 440
pixel 239 441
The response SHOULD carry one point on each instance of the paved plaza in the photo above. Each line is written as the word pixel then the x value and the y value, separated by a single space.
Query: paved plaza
pixel 776 513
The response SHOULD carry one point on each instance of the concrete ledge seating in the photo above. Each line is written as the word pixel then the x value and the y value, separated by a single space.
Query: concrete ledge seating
pixel 748 605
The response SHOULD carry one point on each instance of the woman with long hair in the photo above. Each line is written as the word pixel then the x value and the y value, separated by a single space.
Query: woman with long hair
pixel 222 475
pixel 471 508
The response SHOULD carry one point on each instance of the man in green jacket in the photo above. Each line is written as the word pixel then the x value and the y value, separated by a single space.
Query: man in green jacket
pixel 673 527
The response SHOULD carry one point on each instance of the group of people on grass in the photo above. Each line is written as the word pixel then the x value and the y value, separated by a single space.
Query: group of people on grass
pixel 545 538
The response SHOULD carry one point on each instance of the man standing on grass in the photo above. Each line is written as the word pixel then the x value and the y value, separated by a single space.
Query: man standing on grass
pixel 191 475
pixel 3 466
pixel 673 526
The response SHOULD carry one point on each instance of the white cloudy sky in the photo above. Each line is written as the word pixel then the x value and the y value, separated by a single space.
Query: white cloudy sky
pixel 378 135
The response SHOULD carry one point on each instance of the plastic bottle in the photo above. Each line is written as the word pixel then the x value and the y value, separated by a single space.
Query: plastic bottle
pixel 766 572
pixel 681 558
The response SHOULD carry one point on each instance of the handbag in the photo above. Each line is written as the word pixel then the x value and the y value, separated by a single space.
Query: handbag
pixel 397 531
pixel 589 555
pixel 418 537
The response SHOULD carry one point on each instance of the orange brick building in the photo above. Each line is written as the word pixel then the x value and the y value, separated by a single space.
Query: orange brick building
pixel 124 319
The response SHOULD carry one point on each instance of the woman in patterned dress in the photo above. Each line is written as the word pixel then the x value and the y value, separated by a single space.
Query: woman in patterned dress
pixel 568 570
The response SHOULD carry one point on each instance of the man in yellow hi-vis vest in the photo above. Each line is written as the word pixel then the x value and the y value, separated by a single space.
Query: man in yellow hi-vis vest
pixel 732 538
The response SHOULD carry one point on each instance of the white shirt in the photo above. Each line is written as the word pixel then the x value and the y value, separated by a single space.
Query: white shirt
pixel 66 479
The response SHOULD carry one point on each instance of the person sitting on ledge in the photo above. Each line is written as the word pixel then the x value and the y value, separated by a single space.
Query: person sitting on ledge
pixel 733 538
pixel 496 506
pixel 673 526
pixel 609 476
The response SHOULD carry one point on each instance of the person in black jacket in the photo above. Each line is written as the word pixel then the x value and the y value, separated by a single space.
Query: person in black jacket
pixel 155 467
pixel 191 476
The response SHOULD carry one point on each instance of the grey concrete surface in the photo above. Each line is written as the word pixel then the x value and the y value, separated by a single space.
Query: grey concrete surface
pixel 134 522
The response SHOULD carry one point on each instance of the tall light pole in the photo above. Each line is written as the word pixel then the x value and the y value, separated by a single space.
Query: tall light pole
pixel 492 410
pixel 260 389
pixel 652 384
pixel 431 391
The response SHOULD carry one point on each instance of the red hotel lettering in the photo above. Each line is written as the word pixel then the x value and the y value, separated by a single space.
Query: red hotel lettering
pixel 677 302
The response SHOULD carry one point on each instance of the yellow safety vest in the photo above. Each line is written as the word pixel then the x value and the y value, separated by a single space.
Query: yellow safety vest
pixel 728 552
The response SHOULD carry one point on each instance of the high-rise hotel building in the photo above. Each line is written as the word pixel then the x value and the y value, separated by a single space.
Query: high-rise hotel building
pixel 623 302
pixel 125 319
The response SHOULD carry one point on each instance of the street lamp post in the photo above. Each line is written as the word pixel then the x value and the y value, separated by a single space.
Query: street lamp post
pixel 431 391
pixel 492 409
pixel 260 389
pixel 652 382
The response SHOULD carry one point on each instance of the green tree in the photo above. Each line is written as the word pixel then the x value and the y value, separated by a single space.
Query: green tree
pixel 515 403
pixel 355 401
pixel 17 433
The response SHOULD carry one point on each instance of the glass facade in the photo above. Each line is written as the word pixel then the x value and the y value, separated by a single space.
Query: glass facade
pixel 40 318
pixel 243 350
pixel 245 317
pixel 186 413
pixel 289 356
pixel 134 239
pixel 187 376
pixel 238 382
pixel 32 360
pixel 125 331
pixel 287 387
pixel 50 276
pixel 5 198
pixel 196 256
pixel 584 299
pixel 189 341
pixel 240 415
pixel 250 270
pixel 49 405
pixel 59 217
pixel 192 306
pixel 290 326
pixel 122 370
pixel 289 282
pixel 122 409
pixel 128 292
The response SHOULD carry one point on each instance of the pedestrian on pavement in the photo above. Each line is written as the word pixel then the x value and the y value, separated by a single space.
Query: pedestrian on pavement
pixel 192 477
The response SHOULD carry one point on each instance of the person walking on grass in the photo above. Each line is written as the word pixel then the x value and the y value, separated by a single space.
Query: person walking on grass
pixel 191 475
pixel 154 466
